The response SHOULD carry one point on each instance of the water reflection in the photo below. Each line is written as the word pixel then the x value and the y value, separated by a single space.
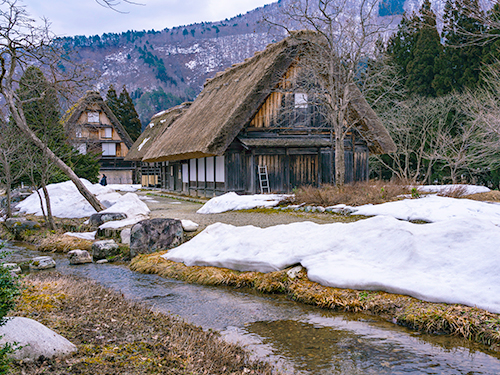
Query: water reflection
pixel 300 339
pixel 339 346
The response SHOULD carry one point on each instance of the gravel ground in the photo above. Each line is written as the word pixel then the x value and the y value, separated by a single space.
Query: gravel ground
pixel 167 206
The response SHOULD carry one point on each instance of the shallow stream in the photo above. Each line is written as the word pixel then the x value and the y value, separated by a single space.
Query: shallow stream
pixel 298 339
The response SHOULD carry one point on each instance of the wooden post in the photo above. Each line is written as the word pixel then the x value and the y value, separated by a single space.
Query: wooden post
pixel 215 175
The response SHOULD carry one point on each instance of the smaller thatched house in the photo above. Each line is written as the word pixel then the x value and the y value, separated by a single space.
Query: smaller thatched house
pixel 157 174
pixel 253 126
pixel 94 128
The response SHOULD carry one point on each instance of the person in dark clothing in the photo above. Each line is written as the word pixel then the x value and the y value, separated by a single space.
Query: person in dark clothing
pixel 104 181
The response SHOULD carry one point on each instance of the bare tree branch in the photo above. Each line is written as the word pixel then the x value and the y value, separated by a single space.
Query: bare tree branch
pixel 22 43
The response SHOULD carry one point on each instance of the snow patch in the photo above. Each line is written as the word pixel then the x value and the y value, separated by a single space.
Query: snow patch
pixel 143 143
pixel 82 235
pixel 455 261
pixel 432 209
pixel 232 201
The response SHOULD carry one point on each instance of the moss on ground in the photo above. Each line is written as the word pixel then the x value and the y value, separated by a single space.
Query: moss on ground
pixel 116 336
pixel 437 318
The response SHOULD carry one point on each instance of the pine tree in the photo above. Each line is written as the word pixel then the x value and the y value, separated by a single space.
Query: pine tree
pixel 459 64
pixel 491 50
pixel 420 70
pixel 128 116
pixel 123 108
pixel 401 44
pixel 113 102
pixel 41 109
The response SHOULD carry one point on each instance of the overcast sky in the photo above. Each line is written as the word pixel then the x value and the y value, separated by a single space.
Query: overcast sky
pixel 87 17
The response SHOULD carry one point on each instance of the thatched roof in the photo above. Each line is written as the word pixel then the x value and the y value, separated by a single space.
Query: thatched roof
pixel 370 126
pixel 91 98
pixel 230 100
pixel 158 125
pixel 286 142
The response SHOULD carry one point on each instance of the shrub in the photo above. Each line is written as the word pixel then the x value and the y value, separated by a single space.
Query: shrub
pixel 9 291
pixel 355 194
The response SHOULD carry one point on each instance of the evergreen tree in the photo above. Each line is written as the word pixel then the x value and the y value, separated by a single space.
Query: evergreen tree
pixel 459 64
pixel 491 50
pixel 420 70
pixel 401 44
pixel 129 117
pixel 40 104
pixel 112 101
pixel 123 108
pixel 41 109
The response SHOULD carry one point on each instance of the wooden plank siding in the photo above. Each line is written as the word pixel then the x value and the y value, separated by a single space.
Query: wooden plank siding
pixel 303 171
pixel 269 111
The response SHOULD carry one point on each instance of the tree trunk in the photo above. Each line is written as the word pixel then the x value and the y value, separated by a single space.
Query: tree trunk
pixel 339 160
pixel 50 218
pixel 9 200
pixel 41 203
pixel 22 125
pixel 8 184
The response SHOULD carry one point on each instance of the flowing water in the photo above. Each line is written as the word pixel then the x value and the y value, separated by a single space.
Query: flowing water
pixel 298 339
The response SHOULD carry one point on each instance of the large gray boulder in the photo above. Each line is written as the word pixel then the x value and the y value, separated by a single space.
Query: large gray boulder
pixel 101 218
pixel 79 257
pixel 19 224
pixel 42 263
pixel 149 236
pixel 34 339
pixel 105 249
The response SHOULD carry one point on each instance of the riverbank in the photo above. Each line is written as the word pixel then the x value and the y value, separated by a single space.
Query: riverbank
pixel 436 318
pixel 472 323
pixel 115 335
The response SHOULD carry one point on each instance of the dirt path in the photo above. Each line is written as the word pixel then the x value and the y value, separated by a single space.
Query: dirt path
pixel 163 206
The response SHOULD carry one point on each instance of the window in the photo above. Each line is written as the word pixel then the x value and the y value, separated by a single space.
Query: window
pixel 108 133
pixel 300 100
pixel 93 117
pixel 109 149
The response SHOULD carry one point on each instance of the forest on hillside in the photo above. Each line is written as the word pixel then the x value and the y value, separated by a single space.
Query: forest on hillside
pixel 445 96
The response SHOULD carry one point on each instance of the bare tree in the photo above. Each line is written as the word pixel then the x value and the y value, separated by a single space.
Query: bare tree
pixel 12 162
pixel 438 135
pixel 484 104
pixel 347 32
pixel 411 124
pixel 113 4
pixel 22 43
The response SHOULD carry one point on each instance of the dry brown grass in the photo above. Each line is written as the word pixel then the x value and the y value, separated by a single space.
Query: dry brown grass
pixel 116 336
pixel 456 191
pixel 355 194
pixel 468 322
pixel 60 243
pixel 490 196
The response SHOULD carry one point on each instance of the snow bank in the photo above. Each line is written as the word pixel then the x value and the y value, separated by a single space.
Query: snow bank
pixel 456 261
pixel 66 201
pixel 232 201
pixel 82 235
pixel 432 209
pixel 468 189
pixel 131 205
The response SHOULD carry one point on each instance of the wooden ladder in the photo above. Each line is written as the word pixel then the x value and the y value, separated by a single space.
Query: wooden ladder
pixel 264 179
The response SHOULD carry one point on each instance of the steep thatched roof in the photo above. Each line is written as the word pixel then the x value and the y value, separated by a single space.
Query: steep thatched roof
pixel 158 125
pixel 91 98
pixel 230 100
